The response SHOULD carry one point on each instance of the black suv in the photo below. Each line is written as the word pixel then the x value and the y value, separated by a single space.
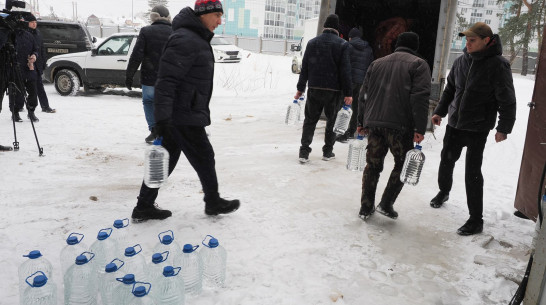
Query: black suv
pixel 62 37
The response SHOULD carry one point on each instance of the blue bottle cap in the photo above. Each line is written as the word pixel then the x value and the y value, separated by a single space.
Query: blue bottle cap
pixel 129 279
pixel 360 137
pixel 213 243
pixel 418 147
pixel 346 107
pixel 118 223
pixel 157 258
pixel 157 141
pixel 130 251
pixel 295 101
pixel 140 291
pixel 111 267
pixel 187 248
pixel 72 240
pixel 167 240
pixel 102 236
pixel 81 260
pixel 39 281
pixel 34 254
pixel 168 270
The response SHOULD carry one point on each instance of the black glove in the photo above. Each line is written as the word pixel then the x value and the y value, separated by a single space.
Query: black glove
pixel 129 83
pixel 164 129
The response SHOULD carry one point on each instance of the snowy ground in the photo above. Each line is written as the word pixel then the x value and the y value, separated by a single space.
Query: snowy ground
pixel 297 238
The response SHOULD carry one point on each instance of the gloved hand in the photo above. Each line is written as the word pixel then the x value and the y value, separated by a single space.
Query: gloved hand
pixel 129 83
pixel 164 129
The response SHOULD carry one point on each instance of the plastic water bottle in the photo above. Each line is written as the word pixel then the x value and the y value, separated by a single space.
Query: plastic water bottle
pixel 40 291
pixel 342 119
pixel 123 291
pixel 192 269
pixel 80 282
pixel 356 158
pixel 155 267
pixel 412 166
pixel 36 262
pixel 167 243
pixel 301 102
pixel 120 234
pixel 73 248
pixel 156 165
pixel 292 113
pixel 108 281
pixel 214 262
pixel 169 288
pixel 104 248
pixel 135 262
pixel 141 294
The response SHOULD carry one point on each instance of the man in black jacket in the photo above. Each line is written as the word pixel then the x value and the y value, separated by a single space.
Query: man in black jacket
pixel 27 53
pixel 393 112
pixel 361 57
pixel 478 86
pixel 40 64
pixel 326 68
pixel 181 106
pixel 148 49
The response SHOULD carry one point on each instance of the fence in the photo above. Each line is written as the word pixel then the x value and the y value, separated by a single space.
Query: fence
pixel 105 30
pixel 516 65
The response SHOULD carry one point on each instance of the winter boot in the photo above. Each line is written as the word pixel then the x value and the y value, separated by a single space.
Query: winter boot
pixel 342 138
pixel 387 210
pixel 48 110
pixel 5 148
pixel 304 154
pixel 32 116
pixel 150 139
pixel 141 214
pixel 440 198
pixel 16 117
pixel 221 206
pixel 328 156
pixel 471 227
pixel 365 212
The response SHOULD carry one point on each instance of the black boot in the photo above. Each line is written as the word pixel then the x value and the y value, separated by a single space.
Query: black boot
pixel 365 212
pixel 221 206
pixel 32 116
pixel 440 198
pixel 5 148
pixel 150 138
pixel 471 227
pixel 16 117
pixel 387 210
pixel 141 214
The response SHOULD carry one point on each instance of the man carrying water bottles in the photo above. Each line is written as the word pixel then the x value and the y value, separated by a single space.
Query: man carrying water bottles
pixel 326 68
pixel 181 106
pixel 478 86
pixel 393 112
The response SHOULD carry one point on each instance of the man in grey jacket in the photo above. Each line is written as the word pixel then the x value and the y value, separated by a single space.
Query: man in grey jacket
pixel 394 101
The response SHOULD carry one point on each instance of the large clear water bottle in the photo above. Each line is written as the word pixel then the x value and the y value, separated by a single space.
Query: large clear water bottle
pixel 35 262
pixel 169 287
pixel 301 102
pixel 356 158
pixel 412 166
pixel 192 269
pixel 123 291
pixel 73 248
pixel 80 282
pixel 342 119
pixel 40 290
pixel 104 248
pixel 292 113
pixel 214 262
pixel 120 234
pixel 155 268
pixel 107 282
pixel 135 262
pixel 156 165
pixel 141 294
pixel 167 243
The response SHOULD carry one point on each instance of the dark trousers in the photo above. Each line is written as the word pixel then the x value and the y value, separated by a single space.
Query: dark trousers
pixel 317 100
pixel 42 96
pixel 380 140
pixel 454 141
pixel 353 122
pixel 193 142
pixel 32 98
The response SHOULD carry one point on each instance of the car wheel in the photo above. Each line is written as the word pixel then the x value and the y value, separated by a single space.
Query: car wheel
pixel 67 82
pixel 295 68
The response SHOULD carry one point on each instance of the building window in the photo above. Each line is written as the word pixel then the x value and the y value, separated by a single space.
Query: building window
pixel 489 12
pixel 487 21
pixel 478 3
pixel 464 10
pixel 492 2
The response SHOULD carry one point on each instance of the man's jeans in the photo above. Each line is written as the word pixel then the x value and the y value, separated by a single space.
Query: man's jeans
pixel 148 103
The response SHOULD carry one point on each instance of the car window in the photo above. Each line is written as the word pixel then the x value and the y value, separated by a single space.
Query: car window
pixel 118 45
pixel 61 32
pixel 218 41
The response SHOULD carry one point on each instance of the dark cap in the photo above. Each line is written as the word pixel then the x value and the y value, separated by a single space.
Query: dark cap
pixel 208 6
pixel 332 22
pixel 478 29
pixel 161 10
pixel 30 18
pixel 409 40
pixel 354 32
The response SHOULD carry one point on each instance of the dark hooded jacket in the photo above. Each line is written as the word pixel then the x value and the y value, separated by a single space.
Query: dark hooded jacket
pixel 186 70
pixel 326 64
pixel 361 57
pixel 41 58
pixel 148 49
pixel 478 86
pixel 25 46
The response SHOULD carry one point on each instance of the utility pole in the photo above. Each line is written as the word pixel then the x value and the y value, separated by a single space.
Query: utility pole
pixel 132 14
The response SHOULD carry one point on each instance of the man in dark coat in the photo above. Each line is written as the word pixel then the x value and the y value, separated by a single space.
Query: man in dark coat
pixel 478 86
pixel 393 112
pixel 148 49
pixel 326 69
pixel 361 57
pixel 181 106
pixel 40 64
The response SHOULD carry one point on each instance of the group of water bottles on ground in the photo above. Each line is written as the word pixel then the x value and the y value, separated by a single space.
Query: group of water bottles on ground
pixel 109 273
pixel 356 157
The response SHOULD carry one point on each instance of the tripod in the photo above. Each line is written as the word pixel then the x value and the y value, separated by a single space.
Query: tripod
pixel 12 80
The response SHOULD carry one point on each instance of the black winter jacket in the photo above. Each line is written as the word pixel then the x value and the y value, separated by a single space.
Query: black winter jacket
pixel 186 70
pixel 26 46
pixel 361 57
pixel 395 93
pixel 326 64
pixel 148 49
pixel 41 58
pixel 478 86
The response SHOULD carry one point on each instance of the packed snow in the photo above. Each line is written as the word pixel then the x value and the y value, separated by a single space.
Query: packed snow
pixel 297 238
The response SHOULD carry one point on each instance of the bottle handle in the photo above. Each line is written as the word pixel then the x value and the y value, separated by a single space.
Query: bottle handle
pixel 105 230
pixel 163 234
pixel 203 242
pixel 166 256
pixel 119 260
pixel 143 284
pixel 32 285
pixel 76 234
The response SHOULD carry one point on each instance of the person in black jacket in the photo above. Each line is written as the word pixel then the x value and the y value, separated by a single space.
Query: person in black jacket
pixel 40 64
pixel 326 68
pixel 148 49
pixel 181 106
pixel 361 57
pixel 27 53
pixel 478 86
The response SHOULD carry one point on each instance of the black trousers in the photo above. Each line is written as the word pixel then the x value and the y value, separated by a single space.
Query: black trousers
pixel 194 143
pixel 353 122
pixel 42 96
pixel 454 141
pixel 32 98
pixel 317 100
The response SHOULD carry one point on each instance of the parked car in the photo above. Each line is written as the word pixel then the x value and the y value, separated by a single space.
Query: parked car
pixel 103 66
pixel 61 37
pixel 225 51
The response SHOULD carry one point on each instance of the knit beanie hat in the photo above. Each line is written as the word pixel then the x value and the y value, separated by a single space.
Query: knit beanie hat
pixel 332 22
pixel 354 33
pixel 409 40
pixel 30 18
pixel 208 6
pixel 159 12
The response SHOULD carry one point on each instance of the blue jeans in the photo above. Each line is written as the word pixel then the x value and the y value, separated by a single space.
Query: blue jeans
pixel 148 103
